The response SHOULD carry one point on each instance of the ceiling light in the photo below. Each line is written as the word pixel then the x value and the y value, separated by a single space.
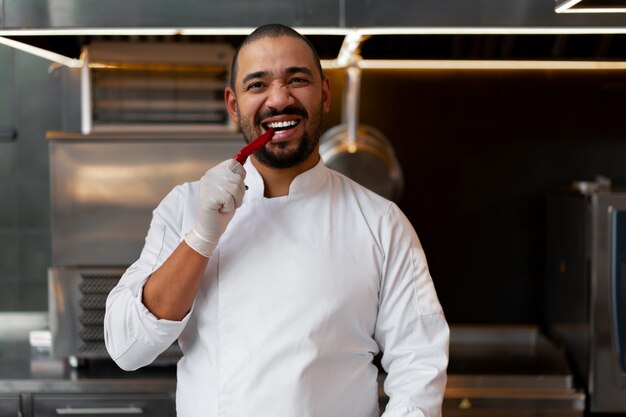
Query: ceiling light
pixel 350 49
pixel 42 53
pixel 216 31
pixel 490 65
pixel 590 6
pixel 591 30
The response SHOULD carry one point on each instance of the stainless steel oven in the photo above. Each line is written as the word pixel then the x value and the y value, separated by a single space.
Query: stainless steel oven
pixel 104 188
pixel 585 287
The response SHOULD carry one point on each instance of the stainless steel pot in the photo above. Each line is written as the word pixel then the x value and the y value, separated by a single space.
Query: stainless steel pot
pixel 361 152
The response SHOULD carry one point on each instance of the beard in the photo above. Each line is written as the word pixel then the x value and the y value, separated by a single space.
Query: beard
pixel 279 155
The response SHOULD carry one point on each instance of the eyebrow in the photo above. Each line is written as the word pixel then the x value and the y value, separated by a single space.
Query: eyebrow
pixel 288 71
pixel 253 75
pixel 296 70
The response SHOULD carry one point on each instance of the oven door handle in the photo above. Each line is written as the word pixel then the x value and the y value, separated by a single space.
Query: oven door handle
pixel 99 410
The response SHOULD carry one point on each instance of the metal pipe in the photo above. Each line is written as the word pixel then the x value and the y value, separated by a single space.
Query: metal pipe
pixel 350 111
pixel 85 94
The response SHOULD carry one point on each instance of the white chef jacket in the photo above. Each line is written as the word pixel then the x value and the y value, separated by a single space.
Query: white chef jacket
pixel 301 293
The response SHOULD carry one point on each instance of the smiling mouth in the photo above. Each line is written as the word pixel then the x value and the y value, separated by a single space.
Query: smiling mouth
pixel 278 126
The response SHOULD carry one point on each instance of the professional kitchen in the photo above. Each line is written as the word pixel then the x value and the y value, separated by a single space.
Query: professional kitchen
pixel 495 126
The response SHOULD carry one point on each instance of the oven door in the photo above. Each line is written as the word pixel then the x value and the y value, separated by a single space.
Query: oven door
pixel 618 281
pixel 607 379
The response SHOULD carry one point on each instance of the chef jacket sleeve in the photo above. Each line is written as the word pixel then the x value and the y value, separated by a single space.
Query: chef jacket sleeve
pixel 134 337
pixel 411 328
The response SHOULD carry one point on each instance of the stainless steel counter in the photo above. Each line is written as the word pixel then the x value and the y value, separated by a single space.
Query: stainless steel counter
pixel 508 371
pixel 28 369
pixel 494 370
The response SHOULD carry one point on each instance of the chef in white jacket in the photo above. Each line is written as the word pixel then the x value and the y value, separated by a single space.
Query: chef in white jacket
pixel 282 279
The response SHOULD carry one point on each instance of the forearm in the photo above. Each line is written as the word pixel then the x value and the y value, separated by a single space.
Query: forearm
pixel 170 291
pixel 134 337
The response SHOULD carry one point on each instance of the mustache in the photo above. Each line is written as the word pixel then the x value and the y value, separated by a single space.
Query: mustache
pixel 289 110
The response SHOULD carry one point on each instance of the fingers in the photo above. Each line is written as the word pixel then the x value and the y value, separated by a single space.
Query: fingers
pixel 220 193
pixel 235 167
pixel 222 187
pixel 231 197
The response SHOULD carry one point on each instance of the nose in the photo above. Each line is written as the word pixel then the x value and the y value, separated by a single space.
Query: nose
pixel 279 97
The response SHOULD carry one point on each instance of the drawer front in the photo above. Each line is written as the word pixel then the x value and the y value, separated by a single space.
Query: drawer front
pixel 10 406
pixel 103 405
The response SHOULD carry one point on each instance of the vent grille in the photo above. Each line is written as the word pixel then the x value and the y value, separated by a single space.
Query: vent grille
pixel 90 318
pixel 97 285
pixel 162 95
pixel 144 86
pixel 94 288
pixel 93 302
pixel 92 334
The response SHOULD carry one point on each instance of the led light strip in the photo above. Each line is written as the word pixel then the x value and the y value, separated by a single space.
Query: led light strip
pixel 490 65
pixel 591 30
pixel 371 31
pixel 567 6
pixel 564 6
pixel 158 31
pixel 594 10
pixel 349 50
pixel 42 53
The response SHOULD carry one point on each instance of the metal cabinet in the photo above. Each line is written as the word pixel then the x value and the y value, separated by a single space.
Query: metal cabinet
pixel 100 405
pixel 10 406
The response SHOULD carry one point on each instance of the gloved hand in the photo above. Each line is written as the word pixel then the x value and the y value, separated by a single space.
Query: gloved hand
pixel 220 194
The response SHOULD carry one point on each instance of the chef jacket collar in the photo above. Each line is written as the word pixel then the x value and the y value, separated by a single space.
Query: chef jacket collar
pixel 305 183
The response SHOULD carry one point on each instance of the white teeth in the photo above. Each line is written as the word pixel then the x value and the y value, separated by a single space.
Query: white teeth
pixel 283 124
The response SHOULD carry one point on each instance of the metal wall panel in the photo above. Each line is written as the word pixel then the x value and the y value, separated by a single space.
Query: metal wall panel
pixel 469 13
pixel 6 85
pixel 168 13
pixel 305 13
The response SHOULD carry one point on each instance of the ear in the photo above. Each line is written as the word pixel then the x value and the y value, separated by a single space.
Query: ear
pixel 326 94
pixel 231 104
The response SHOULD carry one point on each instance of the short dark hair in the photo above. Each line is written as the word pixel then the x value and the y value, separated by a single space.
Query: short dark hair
pixel 272 30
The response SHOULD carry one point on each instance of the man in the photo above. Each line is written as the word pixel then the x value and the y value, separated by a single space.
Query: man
pixel 282 279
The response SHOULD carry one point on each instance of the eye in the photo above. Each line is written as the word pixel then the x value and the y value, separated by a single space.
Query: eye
pixel 298 81
pixel 255 86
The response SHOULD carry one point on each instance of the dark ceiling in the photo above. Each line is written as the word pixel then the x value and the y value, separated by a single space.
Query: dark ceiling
pixel 523 47
pixel 611 47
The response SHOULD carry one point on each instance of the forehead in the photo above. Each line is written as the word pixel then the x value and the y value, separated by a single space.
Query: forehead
pixel 274 56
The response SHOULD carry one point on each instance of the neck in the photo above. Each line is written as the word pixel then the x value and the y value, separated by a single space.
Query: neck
pixel 278 180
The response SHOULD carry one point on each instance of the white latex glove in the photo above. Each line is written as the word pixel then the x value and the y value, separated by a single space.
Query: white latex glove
pixel 220 194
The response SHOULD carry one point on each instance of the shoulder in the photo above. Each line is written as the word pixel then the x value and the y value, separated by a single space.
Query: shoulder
pixel 358 194
pixel 368 201
pixel 382 216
